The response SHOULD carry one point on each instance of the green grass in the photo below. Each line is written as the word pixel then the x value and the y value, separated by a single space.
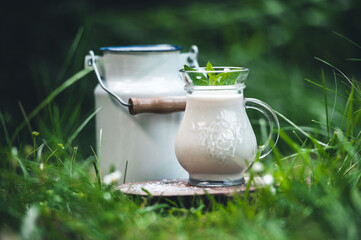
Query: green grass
pixel 49 189
pixel 50 193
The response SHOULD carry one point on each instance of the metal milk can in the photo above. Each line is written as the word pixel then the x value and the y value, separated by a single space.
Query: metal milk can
pixel 132 80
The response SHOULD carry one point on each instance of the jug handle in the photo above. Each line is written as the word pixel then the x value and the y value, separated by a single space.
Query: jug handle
pixel 266 110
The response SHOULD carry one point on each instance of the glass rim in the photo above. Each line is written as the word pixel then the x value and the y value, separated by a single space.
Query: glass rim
pixel 216 70
pixel 192 87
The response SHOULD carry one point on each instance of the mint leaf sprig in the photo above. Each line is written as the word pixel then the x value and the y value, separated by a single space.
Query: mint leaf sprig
pixel 197 78
pixel 211 76
pixel 212 79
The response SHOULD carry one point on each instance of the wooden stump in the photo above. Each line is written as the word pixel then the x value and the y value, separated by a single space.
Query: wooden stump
pixel 181 188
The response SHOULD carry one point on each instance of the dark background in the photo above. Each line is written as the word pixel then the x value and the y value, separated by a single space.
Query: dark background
pixel 277 40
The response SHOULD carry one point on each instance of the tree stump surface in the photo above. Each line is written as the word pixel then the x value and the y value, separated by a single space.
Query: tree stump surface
pixel 176 188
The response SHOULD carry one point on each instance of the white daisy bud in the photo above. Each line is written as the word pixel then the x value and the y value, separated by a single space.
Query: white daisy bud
pixel 14 151
pixel 113 177
pixel 257 167
pixel 267 179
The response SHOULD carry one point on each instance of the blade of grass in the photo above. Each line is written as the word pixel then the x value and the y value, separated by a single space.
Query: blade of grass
pixel 23 168
pixel 349 113
pixel 347 39
pixel 287 139
pixel 125 171
pixel 7 139
pixel 357 116
pixel 333 128
pixel 248 187
pixel 100 148
pixel 298 137
pixel 326 102
pixel 351 168
pixel 335 100
pixel 300 130
pixel 330 90
pixel 33 134
pixel 39 152
pixel 96 167
pixel 80 128
pixel 97 173
pixel 52 151
pixel 34 151
pixel 354 59
pixel 79 75
pixel 173 203
pixel 301 151
pixel 350 149
pixel 73 160
pixel 147 192
pixel 25 117
pixel 359 134
pixel 70 115
pixel 338 70
pixel 70 54
pixel 306 129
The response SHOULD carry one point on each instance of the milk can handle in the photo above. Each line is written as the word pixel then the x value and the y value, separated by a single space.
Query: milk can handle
pixel 166 104
pixel 101 82
pixel 274 126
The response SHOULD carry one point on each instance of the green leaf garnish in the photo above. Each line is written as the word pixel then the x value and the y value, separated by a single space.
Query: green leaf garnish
pixel 211 76
pixel 187 68
pixel 197 78
pixel 227 78
pixel 212 79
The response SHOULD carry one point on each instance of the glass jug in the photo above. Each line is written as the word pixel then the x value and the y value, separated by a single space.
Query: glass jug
pixel 215 142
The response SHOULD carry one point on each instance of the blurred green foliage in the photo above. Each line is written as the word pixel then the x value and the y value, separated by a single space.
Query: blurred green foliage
pixel 277 40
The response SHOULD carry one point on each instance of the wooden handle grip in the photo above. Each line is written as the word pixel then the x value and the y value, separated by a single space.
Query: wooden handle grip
pixel 157 105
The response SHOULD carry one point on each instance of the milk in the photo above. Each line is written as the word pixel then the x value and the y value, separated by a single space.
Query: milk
pixel 215 141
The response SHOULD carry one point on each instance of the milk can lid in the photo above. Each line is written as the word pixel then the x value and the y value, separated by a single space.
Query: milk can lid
pixel 143 48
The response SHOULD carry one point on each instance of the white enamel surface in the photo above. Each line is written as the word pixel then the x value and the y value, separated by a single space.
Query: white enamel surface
pixel 136 66
pixel 215 141
pixel 146 141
